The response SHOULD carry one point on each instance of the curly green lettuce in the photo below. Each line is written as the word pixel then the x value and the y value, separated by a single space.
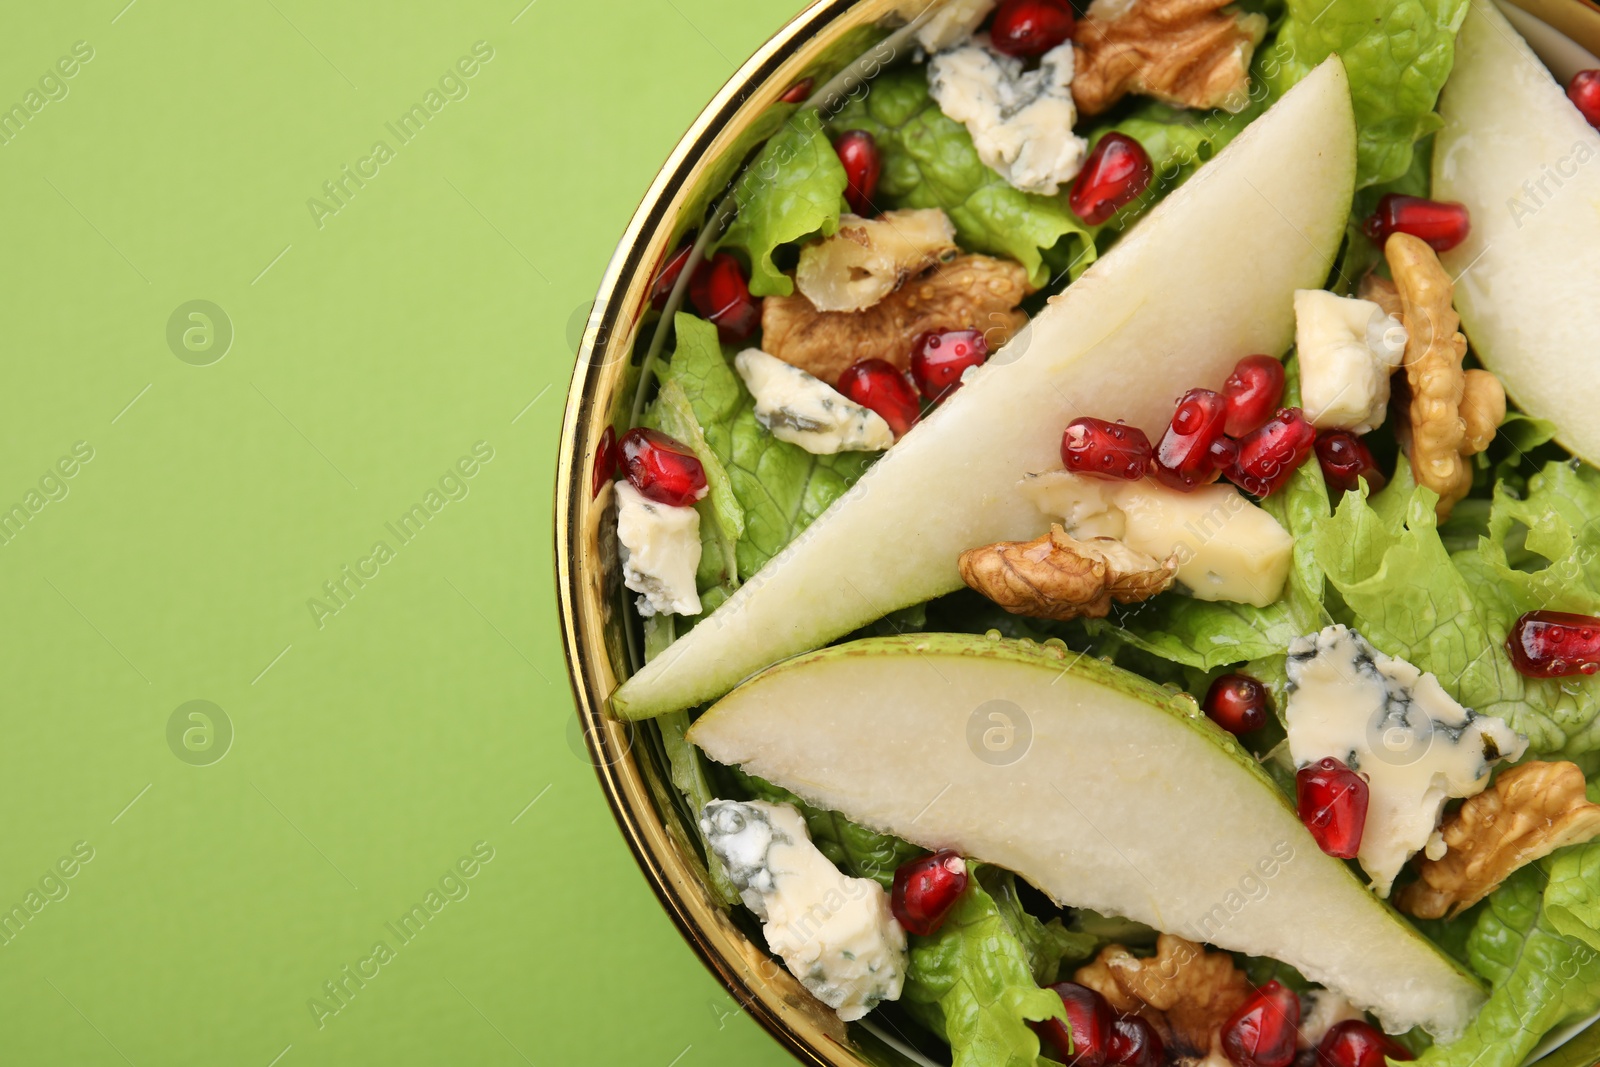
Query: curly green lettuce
pixel 929 162
pixel 1397 54
pixel 1049 945
pixel 1449 613
pixel 973 983
pixel 781 487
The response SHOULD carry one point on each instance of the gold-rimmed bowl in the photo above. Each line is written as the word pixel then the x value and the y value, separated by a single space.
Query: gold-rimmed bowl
pixel 601 642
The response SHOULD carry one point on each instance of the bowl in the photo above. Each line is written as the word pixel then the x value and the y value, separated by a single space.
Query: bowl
pixel 601 641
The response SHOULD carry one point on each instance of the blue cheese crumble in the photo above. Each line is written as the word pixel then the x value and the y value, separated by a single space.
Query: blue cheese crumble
pixel 807 411
pixel 1020 122
pixel 1395 724
pixel 660 549
pixel 834 933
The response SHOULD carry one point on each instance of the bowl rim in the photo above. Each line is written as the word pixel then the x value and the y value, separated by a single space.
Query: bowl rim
pixel 793 1021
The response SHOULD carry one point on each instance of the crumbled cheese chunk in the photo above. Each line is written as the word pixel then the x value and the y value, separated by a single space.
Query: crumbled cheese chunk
pixel 835 933
pixel 1020 122
pixel 1348 349
pixel 1226 547
pixel 807 411
pixel 1395 725
pixel 660 552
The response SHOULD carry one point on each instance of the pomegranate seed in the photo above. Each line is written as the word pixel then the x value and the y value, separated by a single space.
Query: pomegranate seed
pixel 858 152
pixel 1223 453
pixel 1442 223
pixel 1105 449
pixel 1262 1032
pixel 1090 1020
pixel 1134 1043
pixel 605 459
pixel 926 889
pixel 1252 392
pixel 1029 28
pixel 1584 91
pixel 1333 805
pixel 1237 703
pixel 939 359
pixel 1354 1043
pixel 1345 459
pixel 669 277
pixel 1555 644
pixel 1116 172
pixel 1268 456
pixel 797 93
pixel 879 385
pixel 662 468
pixel 721 294
pixel 1183 457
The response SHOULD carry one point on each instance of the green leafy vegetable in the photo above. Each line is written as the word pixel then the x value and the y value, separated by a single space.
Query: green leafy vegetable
pixel 1360 253
pixel 973 981
pixel 1450 614
pixel 781 487
pixel 793 189
pixel 854 849
pixel 1542 978
pixel 1397 54
pixel 721 515
pixel 1048 944
pixel 929 161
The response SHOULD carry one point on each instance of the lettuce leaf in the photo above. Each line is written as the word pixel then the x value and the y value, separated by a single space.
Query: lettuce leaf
pixel 721 514
pixel 851 847
pixel 973 982
pixel 793 189
pixel 1450 614
pixel 929 161
pixel 781 487
pixel 1542 977
pixel 1397 54
pixel 1048 944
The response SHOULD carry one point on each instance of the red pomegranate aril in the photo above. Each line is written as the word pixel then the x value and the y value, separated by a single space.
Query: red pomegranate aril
pixel 1105 449
pixel 1584 91
pixel 939 359
pixel 797 93
pixel 1555 644
pixel 1442 223
pixel 1223 453
pixel 1354 1043
pixel 1237 703
pixel 1084 1039
pixel 1116 172
pixel 926 889
pixel 1345 460
pixel 668 277
pixel 719 291
pixel 858 153
pixel 1134 1043
pixel 1028 28
pixel 1183 458
pixel 879 385
pixel 1252 392
pixel 1332 800
pixel 1268 456
pixel 605 459
pixel 662 468
pixel 1262 1032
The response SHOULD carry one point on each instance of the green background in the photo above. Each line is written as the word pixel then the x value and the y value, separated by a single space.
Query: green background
pixel 376 745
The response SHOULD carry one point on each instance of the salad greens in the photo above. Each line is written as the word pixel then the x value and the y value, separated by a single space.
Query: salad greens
pixel 1442 596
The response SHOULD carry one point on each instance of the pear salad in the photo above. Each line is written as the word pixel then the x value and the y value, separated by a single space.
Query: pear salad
pixel 1114 537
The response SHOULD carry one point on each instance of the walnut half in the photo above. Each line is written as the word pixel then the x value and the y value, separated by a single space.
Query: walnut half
pixel 1530 811
pixel 1059 577
pixel 1188 53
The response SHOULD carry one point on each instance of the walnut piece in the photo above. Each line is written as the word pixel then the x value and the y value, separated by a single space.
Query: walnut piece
pixel 1183 991
pixel 969 292
pixel 1059 577
pixel 1530 811
pixel 1381 291
pixel 867 259
pixel 1453 413
pixel 1188 53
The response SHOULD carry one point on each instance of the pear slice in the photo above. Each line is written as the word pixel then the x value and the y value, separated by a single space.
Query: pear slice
pixel 1521 157
pixel 1206 278
pixel 1099 787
